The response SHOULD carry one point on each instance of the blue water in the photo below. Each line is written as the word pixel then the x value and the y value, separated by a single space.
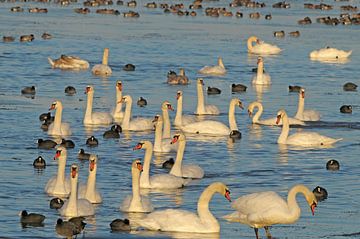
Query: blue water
pixel 157 43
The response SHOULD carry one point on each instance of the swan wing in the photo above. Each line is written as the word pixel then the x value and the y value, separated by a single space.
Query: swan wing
pixel 167 181
pixel 265 48
pixel 212 110
pixel 330 53
pixel 207 127
pixel 141 124
pixel 212 70
pixel 85 208
pixel 310 139
pixel 192 171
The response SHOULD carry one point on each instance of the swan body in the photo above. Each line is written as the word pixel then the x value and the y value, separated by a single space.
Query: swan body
pixel 261 48
pixel 305 115
pixel 212 127
pixel 75 207
pixel 261 78
pixel 264 209
pixel 103 69
pixel 301 138
pixel 117 113
pixel 94 118
pixel 136 202
pixel 89 190
pixel 69 63
pixel 203 109
pixel 181 119
pixel 329 53
pixel 159 181
pixel 219 69
pixel 177 220
pixel 272 121
pixel 58 128
pixel 58 185
pixel 161 144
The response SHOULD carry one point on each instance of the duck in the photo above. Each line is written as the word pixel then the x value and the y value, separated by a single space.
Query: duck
pixel 238 88
pixel 58 185
pixel 58 128
pixel 294 88
pixel 46 36
pixel 136 202
pixel 260 47
pixel 264 209
pixel 82 10
pixel 46 144
pixel 67 228
pixel 213 91
pixel 89 190
pixel 279 34
pixel 141 102
pixel 92 141
pixel 70 90
pixel 201 108
pixel 294 34
pixel 31 218
pixel 82 155
pixel 117 113
pixel 307 139
pixel 129 67
pixel 178 220
pixel 120 225
pixel 261 78
pixel 75 207
pixel 305 115
pixel 28 90
pixel 174 79
pixel 217 70
pixel 67 143
pixel 181 119
pixel 8 38
pixel 346 109
pixel 349 86
pixel 333 165
pixel 27 38
pixel 113 133
pixel 160 144
pixel 320 193
pixel 56 203
pixel 69 63
pixel 39 163
pixel 329 53
pixel 94 118
pixel 103 69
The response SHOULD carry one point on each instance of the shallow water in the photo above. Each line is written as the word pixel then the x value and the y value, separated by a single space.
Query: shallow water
pixel 157 43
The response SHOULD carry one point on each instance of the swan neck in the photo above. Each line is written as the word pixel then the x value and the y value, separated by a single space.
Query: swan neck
pixel 177 168
pixel 200 103
pixel 256 118
pixel 91 183
pixel 285 130
pixel 260 70
pixel 127 115
pixel 57 119
pixel 220 63
pixel 89 104
pixel 232 120
pixel 61 171
pixel 167 127
pixel 118 106
pixel 73 194
pixel 136 198
pixel 158 136
pixel 203 205
pixel 249 43
pixel 300 109
pixel 145 176
pixel 105 57
pixel 293 206
pixel 178 116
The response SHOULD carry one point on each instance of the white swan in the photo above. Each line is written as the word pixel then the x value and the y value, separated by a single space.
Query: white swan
pixel 136 202
pixel 214 70
pixel 138 124
pixel 58 185
pixel 260 47
pixel 305 115
pixel 177 220
pixel 75 207
pixel 301 138
pixel 181 119
pixel 118 114
pixel 159 181
pixel 187 170
pixel 261 78
pixel 89 190
pixel 329 53
pixel 161 144
pixel 203 109
pixel 69 63
pixel 264 209
pixel 272 121
pixel 94 118
pixel 58 128
pixel 165 106
pixel 103 69
pixel 212 127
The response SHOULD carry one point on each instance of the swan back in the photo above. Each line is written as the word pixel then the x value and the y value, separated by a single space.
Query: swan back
pixel 329 53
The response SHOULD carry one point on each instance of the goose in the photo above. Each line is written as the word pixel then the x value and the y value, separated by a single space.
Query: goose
pixel 94 118
pixel 160 144
pixel 31 218
pixel 187 170
pixel 333 165
pixel 103 69
pixel 69 63
pixel 136 202
pixel 305 115
pixel 260 47
pixel 177 220
pixel 75 207
pixel 58 185
pixel 89 190
pixel 272 121
pixel 138 124
pixel 201 108
pixel 58 128
pixel 165 106
pixel 181 119
pixel 263 209
pixel 159 181
pixel 211 127
pixel 329 53
pixel 219 69
pixel 301 138
pixel 261 78
pixel 117 113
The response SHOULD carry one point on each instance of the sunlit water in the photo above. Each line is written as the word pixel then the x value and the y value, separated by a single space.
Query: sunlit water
pixel 157 43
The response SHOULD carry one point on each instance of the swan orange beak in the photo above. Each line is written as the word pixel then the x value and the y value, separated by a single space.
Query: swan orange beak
pixel 73 172
pixel 178 95
pixel 139 166
pixel 175 139
pixel 249 113
pixel 278 118
pixel 170 107
pixel 92 165
pixel 241 106
pixel 303 94
pixel 227 195
pixel 52 106
pixel 57 154
pixel 138 146
pixel 119 86
pixel 155 119
pixel 121 101
pixel 87 90
pixel 313 206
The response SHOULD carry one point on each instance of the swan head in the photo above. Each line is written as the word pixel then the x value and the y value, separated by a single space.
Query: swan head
pixel 302 93
pixel 55 105
pixel 125 99
pixel 252 39
pixel 61 152
pixel 177 137
pixel 280 115
pixel 312 201
pixel 200 81
pixel 259 60
pixel 89 89
pixel 136 164
pixel 119 85
pixel 167 106
pixel 238 103
pixel 74 170
pixel 250 109
pixel 157 119
pixel 142 145
pixel 92 162
pixel 178 94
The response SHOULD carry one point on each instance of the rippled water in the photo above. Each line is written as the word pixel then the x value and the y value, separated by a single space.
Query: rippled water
pixel 157 43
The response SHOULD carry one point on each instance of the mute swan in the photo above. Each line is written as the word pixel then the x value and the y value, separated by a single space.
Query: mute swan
pixel 181 119
pixel 75 207
pixel 57 128
pixel 57 185
pixel 329 53
pixel 264 209
pixel 118 114
pixel 89 190
pixel 178 220
pixel 301 138
pixel 261 78
pixel 272 121
pixel 305 115
pixel 138 124
pixel 212 127
pixel 94 118
pixel 203 109
pixel 214 70
pixel 261 47
pixel 165 106
pixel 136 202
pixel 160 181
pixel 103 69
pixel 160 144
pixel 69 63
pixel 187 170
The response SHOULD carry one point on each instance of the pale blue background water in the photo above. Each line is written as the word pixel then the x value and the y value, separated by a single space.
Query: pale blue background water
pixel 157 43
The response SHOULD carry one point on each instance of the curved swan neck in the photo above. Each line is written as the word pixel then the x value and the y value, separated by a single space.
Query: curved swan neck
pixel 249 43
pixel 166 120
pixel 293 206
pixel 136 198
pixel 203 204
pixel 220 62
pixel 178 116
pixel 127 115
pixel 301 104
pixel 258 114
pixel 177 168
pixel 89 104
pixel 201 103
pixel 105 58
pixel 145 176
pixel 232 120
pixel 58 115
pixel 285 129
pixel 158 135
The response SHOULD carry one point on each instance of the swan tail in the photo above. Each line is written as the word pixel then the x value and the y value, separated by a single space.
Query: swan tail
pixel 348 53
pixel 51 62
